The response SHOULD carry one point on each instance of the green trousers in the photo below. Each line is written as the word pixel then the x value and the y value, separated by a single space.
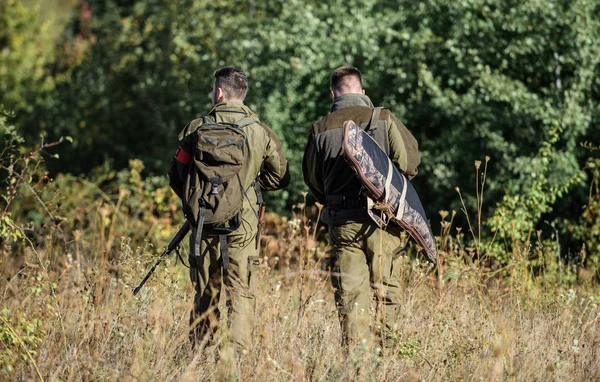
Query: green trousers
pixel 208 276
pixel 363 261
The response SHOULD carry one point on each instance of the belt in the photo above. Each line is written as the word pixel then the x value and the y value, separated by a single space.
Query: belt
pixel 337 202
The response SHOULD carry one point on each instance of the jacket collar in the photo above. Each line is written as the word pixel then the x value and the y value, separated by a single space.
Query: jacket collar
pixel 233 105
pixel 232 111
pixel 349 100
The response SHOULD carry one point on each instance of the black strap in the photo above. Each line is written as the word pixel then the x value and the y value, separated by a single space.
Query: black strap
pixel 181 258
pixel 374 117
pixel 224 251
pixel 340 201
pixel 198 240
pixel 260 201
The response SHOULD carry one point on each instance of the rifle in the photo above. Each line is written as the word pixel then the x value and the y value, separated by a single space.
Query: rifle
pixel 261 219
pixel 185 228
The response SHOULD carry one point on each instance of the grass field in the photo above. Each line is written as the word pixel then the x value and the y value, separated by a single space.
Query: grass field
pixel 71 317
pixel 503 302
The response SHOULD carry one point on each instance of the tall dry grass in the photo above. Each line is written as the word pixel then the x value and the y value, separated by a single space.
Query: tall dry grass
pixel 67 312
pixel 463 323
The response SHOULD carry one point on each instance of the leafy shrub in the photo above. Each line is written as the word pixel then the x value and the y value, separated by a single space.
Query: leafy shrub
pixel 19 339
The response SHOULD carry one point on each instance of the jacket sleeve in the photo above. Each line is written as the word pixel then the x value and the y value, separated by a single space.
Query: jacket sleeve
pixel 275 173
pixel 312 170
pixel 179 164
pixel 175 180
pixel 404 149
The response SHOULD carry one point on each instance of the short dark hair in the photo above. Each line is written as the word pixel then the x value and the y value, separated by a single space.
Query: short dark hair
pixel 342 74
pixel 233 82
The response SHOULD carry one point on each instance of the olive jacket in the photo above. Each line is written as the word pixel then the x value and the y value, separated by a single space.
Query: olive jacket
pixel 325 171
pixel 265 155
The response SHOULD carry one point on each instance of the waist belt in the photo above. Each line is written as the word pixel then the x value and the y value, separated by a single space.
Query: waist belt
pixel 338 202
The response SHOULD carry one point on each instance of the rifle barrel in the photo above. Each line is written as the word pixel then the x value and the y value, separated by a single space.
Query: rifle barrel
pixel 185 228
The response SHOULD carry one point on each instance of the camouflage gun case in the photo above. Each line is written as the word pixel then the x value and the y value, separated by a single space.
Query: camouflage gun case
pixel 390 195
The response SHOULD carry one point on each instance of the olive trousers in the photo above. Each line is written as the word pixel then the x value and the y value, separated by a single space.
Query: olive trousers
pixel 363 261
pixel 239 280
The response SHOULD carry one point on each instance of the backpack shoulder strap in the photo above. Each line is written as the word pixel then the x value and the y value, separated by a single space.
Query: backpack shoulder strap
pixel 374 117
pixel 241 123
pixel 208 119
pixel 245 122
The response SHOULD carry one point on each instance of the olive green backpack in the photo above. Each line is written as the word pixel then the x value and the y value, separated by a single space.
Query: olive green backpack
pixel 213 192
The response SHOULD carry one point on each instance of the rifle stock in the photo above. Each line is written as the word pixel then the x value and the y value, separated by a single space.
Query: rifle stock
pixel 185 228
pixel 261 218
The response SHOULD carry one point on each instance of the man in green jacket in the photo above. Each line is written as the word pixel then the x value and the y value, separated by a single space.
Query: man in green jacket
pixel 207 271
pixel 362 253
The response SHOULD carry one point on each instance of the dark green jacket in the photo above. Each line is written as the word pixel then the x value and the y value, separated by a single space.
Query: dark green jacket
pixel 265 150
pixel 325 170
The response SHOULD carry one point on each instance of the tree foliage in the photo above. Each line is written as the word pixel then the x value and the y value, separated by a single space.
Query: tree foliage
pixel 25 50
pixel 514 80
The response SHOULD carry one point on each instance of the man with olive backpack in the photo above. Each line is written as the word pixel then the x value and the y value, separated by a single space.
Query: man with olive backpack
pixel 223 162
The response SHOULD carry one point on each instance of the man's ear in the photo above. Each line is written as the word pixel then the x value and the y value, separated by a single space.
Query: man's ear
pixel 363 91
pixel 220 95
pixel 332 94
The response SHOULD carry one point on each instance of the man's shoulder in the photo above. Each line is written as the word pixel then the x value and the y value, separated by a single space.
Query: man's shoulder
pixel 336 119
pixel 239 112
pixel 257 122
pixel 258 129
pixel 189 128
pixel 387 114
pixel 194 123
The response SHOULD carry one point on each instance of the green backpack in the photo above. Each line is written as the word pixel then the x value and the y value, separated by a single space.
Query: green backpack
pixel 213 192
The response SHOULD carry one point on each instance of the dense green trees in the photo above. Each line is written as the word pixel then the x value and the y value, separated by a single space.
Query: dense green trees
pixel 514 80
pixel 25 50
